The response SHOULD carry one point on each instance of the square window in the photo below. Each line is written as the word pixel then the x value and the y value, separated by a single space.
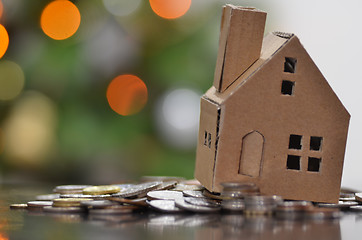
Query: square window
pixel 287 87
pixel 316 143
pixel 293 162
pixel 314 164
pixel 295 142
pixel 290 64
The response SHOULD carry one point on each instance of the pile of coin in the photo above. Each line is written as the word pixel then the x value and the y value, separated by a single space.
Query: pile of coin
pixel 233 195
pixel 177 195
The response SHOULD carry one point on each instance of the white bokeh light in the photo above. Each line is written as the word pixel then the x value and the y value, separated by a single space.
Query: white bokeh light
pixel 121 7
pixel 111 50
pixel 177 117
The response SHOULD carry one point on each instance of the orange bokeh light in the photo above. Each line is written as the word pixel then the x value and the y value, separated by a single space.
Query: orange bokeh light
pixel 170 9
pixel 3 237
pixel 127 94
pixel 4 40
pixel 60 19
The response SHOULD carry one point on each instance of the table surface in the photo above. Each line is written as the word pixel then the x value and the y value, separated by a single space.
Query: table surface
pixel 21 224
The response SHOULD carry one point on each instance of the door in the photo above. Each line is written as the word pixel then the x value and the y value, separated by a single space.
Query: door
pixel 251 154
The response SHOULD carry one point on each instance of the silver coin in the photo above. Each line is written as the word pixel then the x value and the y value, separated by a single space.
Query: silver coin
pixel 51 209
pixel 183 187
pixel 47 197
pixel 137 189
pixel 98 203
pixel 358 197
pixel 167 185
pixel 140 202
pixel 357 208
pixel 238 189
pixel 165 206
pixel 39 204
pixel 194 208
pixel 347 197
pixel 164 195
pixel 95 197
pixel 192 193
pixel 233 205
pixel 64 189
pixel 340 204
pixel 202 202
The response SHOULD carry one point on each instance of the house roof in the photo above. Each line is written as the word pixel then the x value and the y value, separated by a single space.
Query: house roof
pixel 272 43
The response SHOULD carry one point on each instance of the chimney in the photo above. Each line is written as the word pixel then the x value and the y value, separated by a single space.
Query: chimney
pixel 241 37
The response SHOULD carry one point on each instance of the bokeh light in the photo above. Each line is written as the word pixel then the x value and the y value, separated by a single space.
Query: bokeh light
pixel 170 9
pixel 4 40
pixel 110 50
pixel 121 7
pixel 60 19
pixel 177 117
pixel 29 130
pixel 3 236
pixel 11 80
pixel 127 94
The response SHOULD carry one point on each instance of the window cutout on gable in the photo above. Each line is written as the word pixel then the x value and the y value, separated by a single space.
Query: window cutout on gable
pixel 316 143
pixel 209 140
pixel 287 87
pixel 205 139
pixel 314 164
pixel 293 162
pixel 290 65
pixel 295 142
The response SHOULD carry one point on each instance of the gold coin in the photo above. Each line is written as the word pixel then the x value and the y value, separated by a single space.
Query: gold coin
pixel 18 206
pixel 69 202
pixel 99 190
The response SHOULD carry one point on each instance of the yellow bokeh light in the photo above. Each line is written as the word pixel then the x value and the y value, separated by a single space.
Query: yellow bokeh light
pixel 29 130
pixel 60 19
pixel 11 80
pixel 170 9
pixel 4 40
pixel 127 94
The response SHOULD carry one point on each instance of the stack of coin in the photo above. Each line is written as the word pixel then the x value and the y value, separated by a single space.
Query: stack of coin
pixel 238 190
pixel 255 205
pixel 233 195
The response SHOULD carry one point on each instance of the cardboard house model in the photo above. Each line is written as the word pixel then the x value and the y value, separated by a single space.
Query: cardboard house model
pixel 270 118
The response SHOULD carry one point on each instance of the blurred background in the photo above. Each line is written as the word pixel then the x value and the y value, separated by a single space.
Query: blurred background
pixel 99 91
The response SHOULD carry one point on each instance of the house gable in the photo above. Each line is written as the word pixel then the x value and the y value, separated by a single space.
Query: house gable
pixel 257 103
